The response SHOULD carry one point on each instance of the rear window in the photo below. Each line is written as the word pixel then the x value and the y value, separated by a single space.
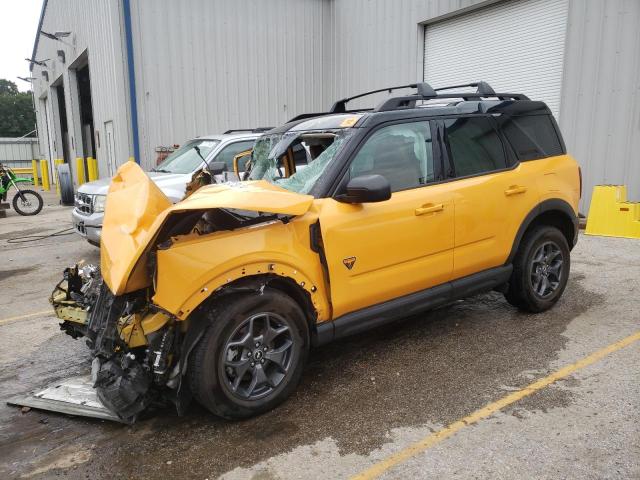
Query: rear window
pixel 532 137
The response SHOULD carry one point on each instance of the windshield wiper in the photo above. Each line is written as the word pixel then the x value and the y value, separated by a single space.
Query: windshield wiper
pixel 160 170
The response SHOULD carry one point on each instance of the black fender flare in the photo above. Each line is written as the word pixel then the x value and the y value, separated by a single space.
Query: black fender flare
pixel 553 204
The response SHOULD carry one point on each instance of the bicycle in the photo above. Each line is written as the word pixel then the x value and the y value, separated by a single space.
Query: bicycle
pixel 25 202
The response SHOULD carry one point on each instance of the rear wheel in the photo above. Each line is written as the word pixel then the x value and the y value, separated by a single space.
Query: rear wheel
pixel 27 202
pixel 251 357
pixel 540 270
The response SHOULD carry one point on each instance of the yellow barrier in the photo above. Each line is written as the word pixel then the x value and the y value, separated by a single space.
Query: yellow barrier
pixel 92 169
pixel 80 170
pixel 611 215
pixel 44 170
pixel 34 169
pixel 56 162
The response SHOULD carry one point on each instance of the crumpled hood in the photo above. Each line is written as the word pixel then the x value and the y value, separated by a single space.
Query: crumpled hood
pixel 136 209
pixel 172 184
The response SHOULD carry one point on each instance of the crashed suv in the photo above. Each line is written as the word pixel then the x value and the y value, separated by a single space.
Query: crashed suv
pixel 427 198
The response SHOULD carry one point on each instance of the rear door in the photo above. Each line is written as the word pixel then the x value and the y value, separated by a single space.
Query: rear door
pixel 380 251
pixel 492 196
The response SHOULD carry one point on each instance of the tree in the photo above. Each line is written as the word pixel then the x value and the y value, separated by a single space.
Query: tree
pixel 17 117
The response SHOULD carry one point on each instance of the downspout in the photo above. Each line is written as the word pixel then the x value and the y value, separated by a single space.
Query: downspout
pixel 132 79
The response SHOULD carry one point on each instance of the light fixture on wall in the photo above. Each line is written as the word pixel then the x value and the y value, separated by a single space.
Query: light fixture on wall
pixel 55 35
pixel 27 79
pixel 61 55
pixel 40 63
pixel 45 74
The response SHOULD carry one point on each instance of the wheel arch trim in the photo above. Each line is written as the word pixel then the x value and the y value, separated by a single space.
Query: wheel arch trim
pixel 550 205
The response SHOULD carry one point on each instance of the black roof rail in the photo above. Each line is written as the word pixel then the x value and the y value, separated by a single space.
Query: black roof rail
pixel 426 92
pixel 340 106
pixel 250 130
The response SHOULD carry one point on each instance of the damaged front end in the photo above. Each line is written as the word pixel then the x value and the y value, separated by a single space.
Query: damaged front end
pixel 135 347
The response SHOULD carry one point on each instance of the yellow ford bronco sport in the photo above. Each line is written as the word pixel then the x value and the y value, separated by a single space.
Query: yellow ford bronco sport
pixel 349 219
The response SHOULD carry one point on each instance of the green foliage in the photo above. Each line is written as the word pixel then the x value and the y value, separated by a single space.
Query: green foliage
pixel 16 111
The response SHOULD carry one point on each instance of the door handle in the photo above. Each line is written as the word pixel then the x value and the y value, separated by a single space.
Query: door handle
pixel 429 208
pixel 514 190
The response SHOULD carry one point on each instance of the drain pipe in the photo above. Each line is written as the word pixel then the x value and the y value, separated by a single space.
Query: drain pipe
pixel 132 79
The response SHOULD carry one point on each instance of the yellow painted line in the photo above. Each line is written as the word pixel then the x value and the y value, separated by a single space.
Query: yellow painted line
pixel 28 315
pixel 384 465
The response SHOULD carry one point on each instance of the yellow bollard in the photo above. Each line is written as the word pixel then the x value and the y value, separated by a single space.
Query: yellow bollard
pixel 44 169
pixel 80 170
pixel 56 162
pixel 34 167
pixel 92 168
pixel 131 159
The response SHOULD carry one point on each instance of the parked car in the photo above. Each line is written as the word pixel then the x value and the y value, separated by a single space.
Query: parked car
pixel 171 175
pixel 403 208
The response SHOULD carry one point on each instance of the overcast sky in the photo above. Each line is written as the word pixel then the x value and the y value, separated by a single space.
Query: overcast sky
pixel 18 25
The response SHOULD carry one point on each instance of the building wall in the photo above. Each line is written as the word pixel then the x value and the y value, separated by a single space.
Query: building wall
pixel 600 101
pixel 205 66
pixel 96 27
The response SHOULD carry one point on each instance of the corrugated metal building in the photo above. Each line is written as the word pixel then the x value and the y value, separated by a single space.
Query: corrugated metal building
pixel 201 66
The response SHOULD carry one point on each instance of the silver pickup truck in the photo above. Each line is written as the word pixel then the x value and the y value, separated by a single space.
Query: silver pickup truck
pixel 172 176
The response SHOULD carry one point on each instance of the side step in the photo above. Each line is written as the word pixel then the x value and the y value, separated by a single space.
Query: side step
pixel 73 396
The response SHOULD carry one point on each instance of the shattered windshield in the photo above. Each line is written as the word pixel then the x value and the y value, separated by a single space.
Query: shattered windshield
pixel 186 159
pixel 295 160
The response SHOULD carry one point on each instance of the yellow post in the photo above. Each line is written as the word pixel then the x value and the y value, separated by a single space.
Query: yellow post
pixel 131 159
pixel 92 168
pixel 80 170
pixel 34 167
pixel 44 169
pixel 56 162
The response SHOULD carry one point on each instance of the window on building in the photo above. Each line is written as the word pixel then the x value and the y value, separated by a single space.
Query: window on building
pixel 474 146
pixel 401 153
pixel 532 137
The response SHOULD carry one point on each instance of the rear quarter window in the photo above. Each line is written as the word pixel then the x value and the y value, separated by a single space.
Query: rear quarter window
pixel 532 137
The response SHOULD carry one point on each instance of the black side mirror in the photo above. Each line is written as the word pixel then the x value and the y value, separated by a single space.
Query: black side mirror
pixel 216 168
pixel 366 189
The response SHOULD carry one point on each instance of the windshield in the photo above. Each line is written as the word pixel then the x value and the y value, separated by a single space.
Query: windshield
pixel 306 154
pixel 186 158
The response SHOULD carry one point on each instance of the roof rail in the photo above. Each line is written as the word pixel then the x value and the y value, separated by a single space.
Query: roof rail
pixel 340 106
pixel 426 92
pixel 250 130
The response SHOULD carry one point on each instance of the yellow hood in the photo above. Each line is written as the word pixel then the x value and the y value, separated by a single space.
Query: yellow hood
pixel 136 209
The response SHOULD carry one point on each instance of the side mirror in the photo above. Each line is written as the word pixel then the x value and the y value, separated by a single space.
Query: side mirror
pixel 366 189
pixel 216 168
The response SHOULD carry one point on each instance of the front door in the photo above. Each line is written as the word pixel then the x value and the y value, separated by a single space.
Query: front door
pixel 380 251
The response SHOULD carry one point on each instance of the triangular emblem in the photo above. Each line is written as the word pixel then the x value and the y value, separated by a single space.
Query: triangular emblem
pixel 349 262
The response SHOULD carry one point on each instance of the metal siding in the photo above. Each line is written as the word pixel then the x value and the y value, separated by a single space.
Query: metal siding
pixel 600 106
pixel 97 28
pixel 378 43
pixel 521 49
pixel 206 66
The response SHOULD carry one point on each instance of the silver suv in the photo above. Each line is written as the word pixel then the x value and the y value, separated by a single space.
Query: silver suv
pixel 172 176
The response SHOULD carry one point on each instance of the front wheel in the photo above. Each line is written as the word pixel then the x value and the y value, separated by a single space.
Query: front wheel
pixel 251 356
pixel 540 270
pixel 27 202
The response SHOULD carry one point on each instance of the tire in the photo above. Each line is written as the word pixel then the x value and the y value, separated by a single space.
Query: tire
pixel 540 270
pixel 276 368
pixel 67 196
pixel 33 198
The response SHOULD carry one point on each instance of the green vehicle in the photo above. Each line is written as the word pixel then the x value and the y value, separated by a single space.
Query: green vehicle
pixel 25 202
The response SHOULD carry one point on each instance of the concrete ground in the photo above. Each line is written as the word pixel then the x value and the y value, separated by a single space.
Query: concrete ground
pixel 361 400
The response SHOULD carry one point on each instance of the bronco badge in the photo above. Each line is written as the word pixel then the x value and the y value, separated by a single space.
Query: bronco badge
pixel 349 262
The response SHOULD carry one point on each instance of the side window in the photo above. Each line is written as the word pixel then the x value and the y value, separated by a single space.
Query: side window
pixel 401 153
pixel 474 146
pixel 532 137
pixel 230 151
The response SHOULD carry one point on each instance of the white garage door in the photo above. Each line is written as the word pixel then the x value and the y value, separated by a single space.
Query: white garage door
pixel 516 46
